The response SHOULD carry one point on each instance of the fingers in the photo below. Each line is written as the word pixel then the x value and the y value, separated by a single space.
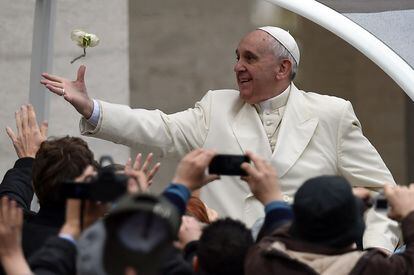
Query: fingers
pixel 19 217
pixel 12 213
pixel 193 154
pixel 147 162
pixel 4 209
pixel 31 114
pixel 11 134
pixel 128 166
pixel 24 119
pixel 205 157
pixel 51 77
pixel 43 128
pixel 388 190
pixel 52 83
pixel 250 170
pixel 137 163
pixel 55 90
pixel 258 162
pixel 81 73
pixel 17 116
pixel 138 181
pixel 153 171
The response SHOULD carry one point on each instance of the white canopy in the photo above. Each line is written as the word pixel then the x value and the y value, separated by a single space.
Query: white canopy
pixel 382 30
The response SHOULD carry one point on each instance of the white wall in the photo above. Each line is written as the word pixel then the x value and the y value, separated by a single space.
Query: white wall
pixel 107 65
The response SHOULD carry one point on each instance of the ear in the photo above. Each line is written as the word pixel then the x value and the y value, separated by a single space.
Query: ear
pixel 283 70
pixel 195 264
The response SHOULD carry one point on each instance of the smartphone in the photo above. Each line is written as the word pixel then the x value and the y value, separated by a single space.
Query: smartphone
pixel 228 165
pixel 381 203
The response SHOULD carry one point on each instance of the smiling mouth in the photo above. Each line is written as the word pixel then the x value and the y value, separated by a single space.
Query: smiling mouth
pixel 242 81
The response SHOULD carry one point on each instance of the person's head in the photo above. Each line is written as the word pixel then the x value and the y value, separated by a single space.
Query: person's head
pixel 327 213
pixel 222 247
pixel 58 160
pixel 267 60
pixel 197 209
pixel 140 230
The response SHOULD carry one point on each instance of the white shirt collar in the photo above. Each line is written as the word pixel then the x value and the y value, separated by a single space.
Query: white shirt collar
pixel 275 102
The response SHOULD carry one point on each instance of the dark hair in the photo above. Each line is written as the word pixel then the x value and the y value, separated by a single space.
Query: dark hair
pixel 223 246
pixel 58 160
pixel 197 209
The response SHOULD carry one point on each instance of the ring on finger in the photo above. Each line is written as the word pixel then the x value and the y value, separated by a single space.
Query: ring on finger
pixel 63 92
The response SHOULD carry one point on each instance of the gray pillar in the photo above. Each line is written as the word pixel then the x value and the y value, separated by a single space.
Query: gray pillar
pixel 42 55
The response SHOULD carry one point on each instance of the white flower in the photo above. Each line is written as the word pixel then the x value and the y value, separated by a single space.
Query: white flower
pixel 84 39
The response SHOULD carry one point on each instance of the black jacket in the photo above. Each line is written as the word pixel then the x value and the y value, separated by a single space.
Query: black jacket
pixel 37 227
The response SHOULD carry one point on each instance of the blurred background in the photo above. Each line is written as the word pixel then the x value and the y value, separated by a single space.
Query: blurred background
pixel 167 54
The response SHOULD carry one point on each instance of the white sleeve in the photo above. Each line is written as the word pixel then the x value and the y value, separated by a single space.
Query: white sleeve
pixel 360 163
pixel 94 119
pixel 176 133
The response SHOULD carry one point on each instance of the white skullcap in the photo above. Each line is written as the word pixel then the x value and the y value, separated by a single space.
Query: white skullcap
pixel 285 39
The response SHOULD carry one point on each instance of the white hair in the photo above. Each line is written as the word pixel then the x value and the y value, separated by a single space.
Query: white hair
pixel 282 53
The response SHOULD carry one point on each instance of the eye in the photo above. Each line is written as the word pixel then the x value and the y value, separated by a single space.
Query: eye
pixel 250 57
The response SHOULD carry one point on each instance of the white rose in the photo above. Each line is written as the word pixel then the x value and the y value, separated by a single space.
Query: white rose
pixel 84 39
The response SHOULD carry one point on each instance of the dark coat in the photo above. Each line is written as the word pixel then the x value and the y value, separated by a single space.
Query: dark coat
pixel 37 227
pixel 279 253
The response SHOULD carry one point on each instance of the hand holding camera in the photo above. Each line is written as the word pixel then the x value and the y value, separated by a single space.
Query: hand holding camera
pixel 400 199
pixel 191 169
pixel 81 214
pixel 262 179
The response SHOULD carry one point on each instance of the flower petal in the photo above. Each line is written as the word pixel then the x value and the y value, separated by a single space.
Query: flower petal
pixel 94 40
pixel 77 35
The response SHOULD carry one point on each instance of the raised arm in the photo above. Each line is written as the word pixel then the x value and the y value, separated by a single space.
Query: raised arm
pixel 26 141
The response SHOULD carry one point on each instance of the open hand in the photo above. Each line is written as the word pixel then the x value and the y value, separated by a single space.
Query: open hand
pixel 72 91
pixel 141 177
pixel 29 135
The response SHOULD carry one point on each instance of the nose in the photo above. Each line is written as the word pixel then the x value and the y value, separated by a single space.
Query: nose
pixel 238 67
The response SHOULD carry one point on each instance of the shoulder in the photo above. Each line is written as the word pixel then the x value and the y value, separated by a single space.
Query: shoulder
pixel 216 99
pixel 325 107
pixel 224 94
pixel 324 103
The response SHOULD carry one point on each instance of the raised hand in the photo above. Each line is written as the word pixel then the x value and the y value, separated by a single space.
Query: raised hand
pixel 262 179
pixel 11 252
pixel 141 176
pixel 29 135
pixel 72 91
pixel 191 169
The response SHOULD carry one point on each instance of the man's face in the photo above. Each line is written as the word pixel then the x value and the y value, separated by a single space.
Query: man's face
pixel 256 67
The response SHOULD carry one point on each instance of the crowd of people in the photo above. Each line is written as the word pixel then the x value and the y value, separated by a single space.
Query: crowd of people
pixel 304 203
pixel 175 232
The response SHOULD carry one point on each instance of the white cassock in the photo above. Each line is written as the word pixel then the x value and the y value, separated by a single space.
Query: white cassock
pixel 318 135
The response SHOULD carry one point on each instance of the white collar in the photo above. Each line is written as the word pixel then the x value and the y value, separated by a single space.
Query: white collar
pixel 275 102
